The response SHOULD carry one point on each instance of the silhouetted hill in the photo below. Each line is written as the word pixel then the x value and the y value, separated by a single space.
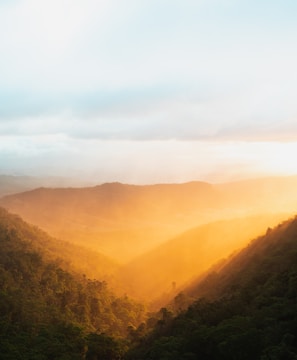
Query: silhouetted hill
pixel 169 266
pixel 246 310
pixel 47 312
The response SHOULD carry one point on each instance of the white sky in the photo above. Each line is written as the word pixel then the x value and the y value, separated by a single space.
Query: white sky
pixel 148 91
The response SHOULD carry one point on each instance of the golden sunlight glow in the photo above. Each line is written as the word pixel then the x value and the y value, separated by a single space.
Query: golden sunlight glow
pixel 140 227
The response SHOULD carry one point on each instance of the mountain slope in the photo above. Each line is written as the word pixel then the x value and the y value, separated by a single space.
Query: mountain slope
pixel 179 260
pixel 69 256
pixel 41 302
pixel 248 310
pixel 270 255
pixel 118 220
pixel 125 221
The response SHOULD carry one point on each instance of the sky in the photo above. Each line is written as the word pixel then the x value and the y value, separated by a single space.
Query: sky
pixel 147 91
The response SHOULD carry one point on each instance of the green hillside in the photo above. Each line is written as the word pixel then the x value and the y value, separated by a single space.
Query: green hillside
pixel 247 310
pixel 49 313
pixel 160 272
pixel 69 256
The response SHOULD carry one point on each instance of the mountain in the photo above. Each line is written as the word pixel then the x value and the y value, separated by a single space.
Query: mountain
pixel 49 313
pixel 67 255
pixel 246 309
pixel 124 221
pixel 163 270
pixel 118 220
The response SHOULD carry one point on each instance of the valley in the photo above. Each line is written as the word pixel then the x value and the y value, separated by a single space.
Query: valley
pixel 124 221
pixel 148 181
pixel 107 258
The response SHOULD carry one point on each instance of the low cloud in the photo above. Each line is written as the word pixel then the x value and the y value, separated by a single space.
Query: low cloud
pixel 158 114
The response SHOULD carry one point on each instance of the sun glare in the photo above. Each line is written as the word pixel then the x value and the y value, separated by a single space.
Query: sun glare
pixel 277 157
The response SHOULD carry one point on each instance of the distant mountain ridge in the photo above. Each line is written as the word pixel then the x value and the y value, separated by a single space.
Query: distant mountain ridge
pixel 116 219
pixel 124 221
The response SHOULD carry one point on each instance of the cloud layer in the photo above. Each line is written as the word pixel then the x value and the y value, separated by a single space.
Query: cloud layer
pixel 74 74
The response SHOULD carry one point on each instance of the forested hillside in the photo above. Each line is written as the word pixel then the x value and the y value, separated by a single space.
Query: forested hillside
pixel 161 272
pixel 246 310
pixel 56 301
pixel 66 254
pixel 49 313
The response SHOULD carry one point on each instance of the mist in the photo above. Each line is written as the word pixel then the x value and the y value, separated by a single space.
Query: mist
pixel 158 234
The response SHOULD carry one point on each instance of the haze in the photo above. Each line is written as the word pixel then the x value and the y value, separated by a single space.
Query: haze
pixel 148 91
pixel 147 159
pixel 148 237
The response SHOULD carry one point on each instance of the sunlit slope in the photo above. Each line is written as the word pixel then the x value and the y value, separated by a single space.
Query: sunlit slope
pixel 179 260
pixel 119 220
pixel 266 258
pixel 246 310
pixel 68 256
pixel 125 221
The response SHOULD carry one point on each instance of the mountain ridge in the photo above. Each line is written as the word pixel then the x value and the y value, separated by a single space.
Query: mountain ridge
pixel 124 221
pixel 139 216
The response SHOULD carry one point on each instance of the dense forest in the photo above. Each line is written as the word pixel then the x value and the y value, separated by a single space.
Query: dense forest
pixel 245 310
pixel 50 313
pixel 244 307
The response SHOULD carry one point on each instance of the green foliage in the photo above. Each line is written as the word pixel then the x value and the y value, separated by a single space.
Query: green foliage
pixel 104 347
pixel 47 312
pixel 249 310
pixel 245 310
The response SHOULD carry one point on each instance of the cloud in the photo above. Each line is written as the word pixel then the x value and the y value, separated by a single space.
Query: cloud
pixel 144 162
pixel 263 113
pixel 109 45
pixel 123 77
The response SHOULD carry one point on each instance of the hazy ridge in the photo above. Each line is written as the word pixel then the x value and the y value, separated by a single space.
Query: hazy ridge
pixel 123 221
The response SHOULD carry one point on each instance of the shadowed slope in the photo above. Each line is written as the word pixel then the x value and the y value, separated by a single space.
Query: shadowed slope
pixel 49 313
pixel 70 257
